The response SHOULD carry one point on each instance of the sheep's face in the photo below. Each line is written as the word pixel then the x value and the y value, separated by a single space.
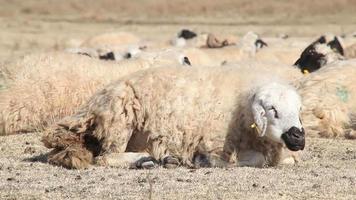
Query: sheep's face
pixel 276 111
pixel 319 53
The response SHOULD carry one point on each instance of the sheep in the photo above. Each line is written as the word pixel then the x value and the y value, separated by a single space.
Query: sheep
pixel 112 54
pixel 48 86
pixel 186 34
pixel 197 41
pixel 111 40
pixel 199 58
pixel 324 50
pixel 213 42
pixel 250 43
pixel 188 38
pixel 282 70
pixel 350 51
pixel 245 49
pixel 281 50
pixel 195 117
pixel 329 100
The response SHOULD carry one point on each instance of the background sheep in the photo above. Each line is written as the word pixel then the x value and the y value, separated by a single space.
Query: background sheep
pixel 188 38
pixel 350 51
pixel 323 51
pixel 46 87
pixel 329 100
pixel 111 40
pixel 195 116
pixel 282 70
pixel 285 51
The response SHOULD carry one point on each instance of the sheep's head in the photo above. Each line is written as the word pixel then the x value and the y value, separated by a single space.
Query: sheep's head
pixel 324 50
pixel 276 113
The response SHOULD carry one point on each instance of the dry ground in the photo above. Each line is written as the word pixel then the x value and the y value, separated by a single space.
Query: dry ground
pixel 328 170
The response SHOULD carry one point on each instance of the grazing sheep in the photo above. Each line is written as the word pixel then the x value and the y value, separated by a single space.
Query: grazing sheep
pixel 196 117
pixel 46 87
pixel 324 50
pixel 329 100
pixel 111 40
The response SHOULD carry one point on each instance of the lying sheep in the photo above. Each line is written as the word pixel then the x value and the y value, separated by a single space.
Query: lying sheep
pixel 111 54
pixel 196 117
pixel 111 40
pixel 321 52
pixel 188 38
pixel 281 50
pixel 329 100
pixel 251 42
pixel 350 51
pixel 46 87
pixel 286 71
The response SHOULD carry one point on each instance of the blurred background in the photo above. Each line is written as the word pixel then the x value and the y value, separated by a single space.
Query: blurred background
pixel 32 25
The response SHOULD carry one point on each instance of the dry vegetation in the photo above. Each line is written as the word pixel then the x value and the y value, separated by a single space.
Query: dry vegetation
pixel 328 169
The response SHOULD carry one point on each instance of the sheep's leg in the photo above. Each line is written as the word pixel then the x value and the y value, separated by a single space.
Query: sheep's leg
pixel 350 134
pixel 251 158
pixel 136 160
pixel 170 162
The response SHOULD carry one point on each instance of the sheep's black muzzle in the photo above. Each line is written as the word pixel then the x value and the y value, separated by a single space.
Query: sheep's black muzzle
pixel 294 139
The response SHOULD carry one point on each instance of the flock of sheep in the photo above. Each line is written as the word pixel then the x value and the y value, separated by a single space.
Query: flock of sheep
pixel 197 100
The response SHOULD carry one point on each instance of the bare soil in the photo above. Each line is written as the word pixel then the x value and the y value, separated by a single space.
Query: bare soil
pixel 328 171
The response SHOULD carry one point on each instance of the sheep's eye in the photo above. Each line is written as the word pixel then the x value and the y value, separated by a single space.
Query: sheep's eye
pixel 275 112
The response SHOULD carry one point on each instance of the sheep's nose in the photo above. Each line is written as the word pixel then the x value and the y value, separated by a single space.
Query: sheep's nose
pixel 294 138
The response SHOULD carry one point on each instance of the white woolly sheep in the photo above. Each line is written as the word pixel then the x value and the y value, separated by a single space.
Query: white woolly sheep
pixel 187 38
pixel 280 50
pixel 329 100
pixel 195 117
pixel 46 87
pixel 111 40
pixel 287 72
pixel 350 51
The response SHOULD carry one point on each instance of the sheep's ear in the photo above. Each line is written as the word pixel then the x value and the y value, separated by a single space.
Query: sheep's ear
pixel 260 118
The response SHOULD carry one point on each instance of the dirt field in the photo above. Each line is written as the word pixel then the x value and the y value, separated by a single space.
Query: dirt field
pixel 328 169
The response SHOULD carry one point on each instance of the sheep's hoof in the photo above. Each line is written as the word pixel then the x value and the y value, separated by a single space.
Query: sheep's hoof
pixel 101 161
pixel 170 162
pixel 201 160
pixel 145 163
pixel 350 135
